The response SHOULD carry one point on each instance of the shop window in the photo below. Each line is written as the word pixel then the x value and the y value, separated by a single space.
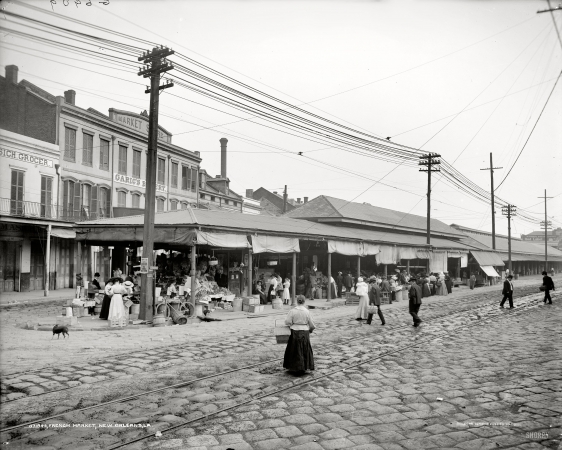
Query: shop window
pixel 137 155
pixel 122 168
pixel 16 194
pixel 104 154
pixel 87 149
pixel 173 205
pixel 46 196
pixel 174 175
pixel 161 171
pixel 121 199
pixel 103 203
pixel 159 204
pixel 69 144
pixel 136 200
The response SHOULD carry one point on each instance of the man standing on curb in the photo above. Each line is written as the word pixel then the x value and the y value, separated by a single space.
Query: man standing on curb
pixel 507 292
pixel 415 296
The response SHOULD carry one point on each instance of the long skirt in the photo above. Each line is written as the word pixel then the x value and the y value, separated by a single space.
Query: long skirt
pixel 441 290
pixel 104 313
pixel 118 316
pixel 361 312
pixel 425 291
pixel 298 354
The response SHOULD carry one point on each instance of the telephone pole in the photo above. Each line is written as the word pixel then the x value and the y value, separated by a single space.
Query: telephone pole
pixel 509 211
pixel 156 64
pixel 491 169
pixel 429 161
pixel 546 225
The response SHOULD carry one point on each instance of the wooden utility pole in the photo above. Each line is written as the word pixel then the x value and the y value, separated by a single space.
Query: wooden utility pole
pixel 546 225
pixel 157 64
pixel 491 169
pixel 428 161
pixel 509 211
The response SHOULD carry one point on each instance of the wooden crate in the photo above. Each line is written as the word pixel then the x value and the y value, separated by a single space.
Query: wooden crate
pixel 385 298
pixel 255 308
pixel 282 332
pixel 351 298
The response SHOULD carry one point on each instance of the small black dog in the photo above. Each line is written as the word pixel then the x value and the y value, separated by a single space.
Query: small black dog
pixel 58 329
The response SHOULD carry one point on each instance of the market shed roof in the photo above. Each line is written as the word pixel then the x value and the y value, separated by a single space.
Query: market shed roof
pixel 130 227
pixel 327 209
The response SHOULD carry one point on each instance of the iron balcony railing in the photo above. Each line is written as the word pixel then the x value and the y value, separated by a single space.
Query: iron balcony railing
pixel 66 213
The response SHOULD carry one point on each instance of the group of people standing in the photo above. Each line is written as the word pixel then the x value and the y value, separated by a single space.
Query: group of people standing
pixel 116 291
pixel 273 288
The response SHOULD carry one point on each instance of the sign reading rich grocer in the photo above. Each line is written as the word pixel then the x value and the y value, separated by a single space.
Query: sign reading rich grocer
pixel 25 157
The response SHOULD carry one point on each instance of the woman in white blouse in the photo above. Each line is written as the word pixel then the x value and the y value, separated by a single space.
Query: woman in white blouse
pixel 362 290
pixel 298 354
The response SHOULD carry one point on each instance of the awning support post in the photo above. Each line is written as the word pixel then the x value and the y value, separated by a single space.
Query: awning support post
pixel 192 274
pixel 294 281
pixel 329 287
pixel 47 261
pixel 358 266
pixel 250 273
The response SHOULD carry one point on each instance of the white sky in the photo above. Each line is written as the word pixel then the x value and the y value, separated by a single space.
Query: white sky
pixel 418 62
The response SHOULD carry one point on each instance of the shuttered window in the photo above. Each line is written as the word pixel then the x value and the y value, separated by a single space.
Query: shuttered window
pixel 174 175
pixel 69 144
pixel 122 160
pixel 46 196
pixel 16 192
pixel 160 204
pixel 87 149
pixel 184 178
pixel 161 171
pixel 136 201
pixel 104 154
pixel 173 205
pixel 121 199
pixel 137 155
pixel 103 203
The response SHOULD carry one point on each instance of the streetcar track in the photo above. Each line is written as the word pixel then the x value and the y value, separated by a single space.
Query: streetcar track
pixel 185 347
pixel 291 385
pixel 532 304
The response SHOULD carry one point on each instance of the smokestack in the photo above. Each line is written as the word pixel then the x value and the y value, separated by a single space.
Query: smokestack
pixel 223 142
pixel 249 193
pixel 298 200
pixel 306 199
pixel 70 96
pixel 12 74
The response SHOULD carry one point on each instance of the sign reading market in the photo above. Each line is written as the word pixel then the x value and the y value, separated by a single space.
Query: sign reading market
pixel 137 122
pixel 137 182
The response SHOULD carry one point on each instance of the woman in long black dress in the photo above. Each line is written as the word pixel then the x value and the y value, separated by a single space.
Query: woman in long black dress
pixel 104 313
pixel 298 354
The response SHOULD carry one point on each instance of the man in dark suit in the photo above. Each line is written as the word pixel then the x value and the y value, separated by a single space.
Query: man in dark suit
pixel 339 282
pixel 415 296
pixel 375 299
pixel 507 291
pixel 348 282
pixel 548 286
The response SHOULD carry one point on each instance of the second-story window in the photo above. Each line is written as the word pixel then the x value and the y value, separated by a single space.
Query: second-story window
pixel 137 155
pixel 46 196
pixel 174 175
pixel 16 193
pixel 69 144
pixel 87 149
pixel 193 179
pixel 104 154
pixel 122 160
pixel 161 171
pixel 185 181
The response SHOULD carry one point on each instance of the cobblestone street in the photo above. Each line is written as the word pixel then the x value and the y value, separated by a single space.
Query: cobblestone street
pixel 473 376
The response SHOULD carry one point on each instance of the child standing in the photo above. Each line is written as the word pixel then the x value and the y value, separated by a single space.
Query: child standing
pixel 286 295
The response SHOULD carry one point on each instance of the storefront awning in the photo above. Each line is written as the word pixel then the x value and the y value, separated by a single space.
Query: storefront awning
pixel 63 233
pixel 274 244
pixel 407 253
pixel 352 248
pixel 387 255
pixel 422 254
pixel 223 240
pixel 169 236
pixel 487 258
pixel 437 261
pixel 490 271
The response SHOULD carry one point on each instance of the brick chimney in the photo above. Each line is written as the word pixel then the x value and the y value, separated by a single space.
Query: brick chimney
pixel 298 200
pixel 223 142
pixel 12 74
pixel 70 96
pixel 306 199
pixel 249 193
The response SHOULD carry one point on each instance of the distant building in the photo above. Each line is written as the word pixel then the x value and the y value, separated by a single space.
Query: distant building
pixel 554 237
pixel 272 202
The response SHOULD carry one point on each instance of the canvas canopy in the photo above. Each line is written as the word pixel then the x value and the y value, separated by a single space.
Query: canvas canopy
pixel 63 233
pixel 437 261
pixel 387 254
pixel 352 248
pixel 225 240
pixel 274 244
pixel 490 271
pixel 487 258
pixel 407 253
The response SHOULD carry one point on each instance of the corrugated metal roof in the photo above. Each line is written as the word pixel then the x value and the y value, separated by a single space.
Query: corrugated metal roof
pixel 331 207
pixel 250 223
pixel 522 247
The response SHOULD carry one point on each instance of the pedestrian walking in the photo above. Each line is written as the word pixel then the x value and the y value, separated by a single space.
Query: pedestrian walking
pixel 374 300
pixel 286 294
pixel 548 285
pixel 472 281
pixel 507 291
pixel 339 283
pixel 415 301
pixel 362 290
pixel 298 354
pixel 448 283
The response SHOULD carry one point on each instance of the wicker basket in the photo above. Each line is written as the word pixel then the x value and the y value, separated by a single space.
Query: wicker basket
pixel 282 332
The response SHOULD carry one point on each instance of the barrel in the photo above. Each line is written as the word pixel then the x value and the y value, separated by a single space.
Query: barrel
pixel 237 304
pixel 398 294
pixel 97 310
pixel 159 320
pixel 135 309
pixel 77 311
pixel 277 303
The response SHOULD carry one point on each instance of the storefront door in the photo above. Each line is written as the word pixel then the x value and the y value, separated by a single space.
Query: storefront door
pixel 8 264
pixel 37 265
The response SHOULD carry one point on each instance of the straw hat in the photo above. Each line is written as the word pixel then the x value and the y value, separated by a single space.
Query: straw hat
pixel 360 280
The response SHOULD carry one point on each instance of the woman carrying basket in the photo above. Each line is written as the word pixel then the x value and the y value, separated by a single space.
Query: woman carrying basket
pixel 298 354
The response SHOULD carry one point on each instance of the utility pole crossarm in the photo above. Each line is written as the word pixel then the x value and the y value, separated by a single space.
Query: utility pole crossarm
pixel 509 211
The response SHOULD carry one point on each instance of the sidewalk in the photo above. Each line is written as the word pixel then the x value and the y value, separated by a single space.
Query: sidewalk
pixel 10 298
